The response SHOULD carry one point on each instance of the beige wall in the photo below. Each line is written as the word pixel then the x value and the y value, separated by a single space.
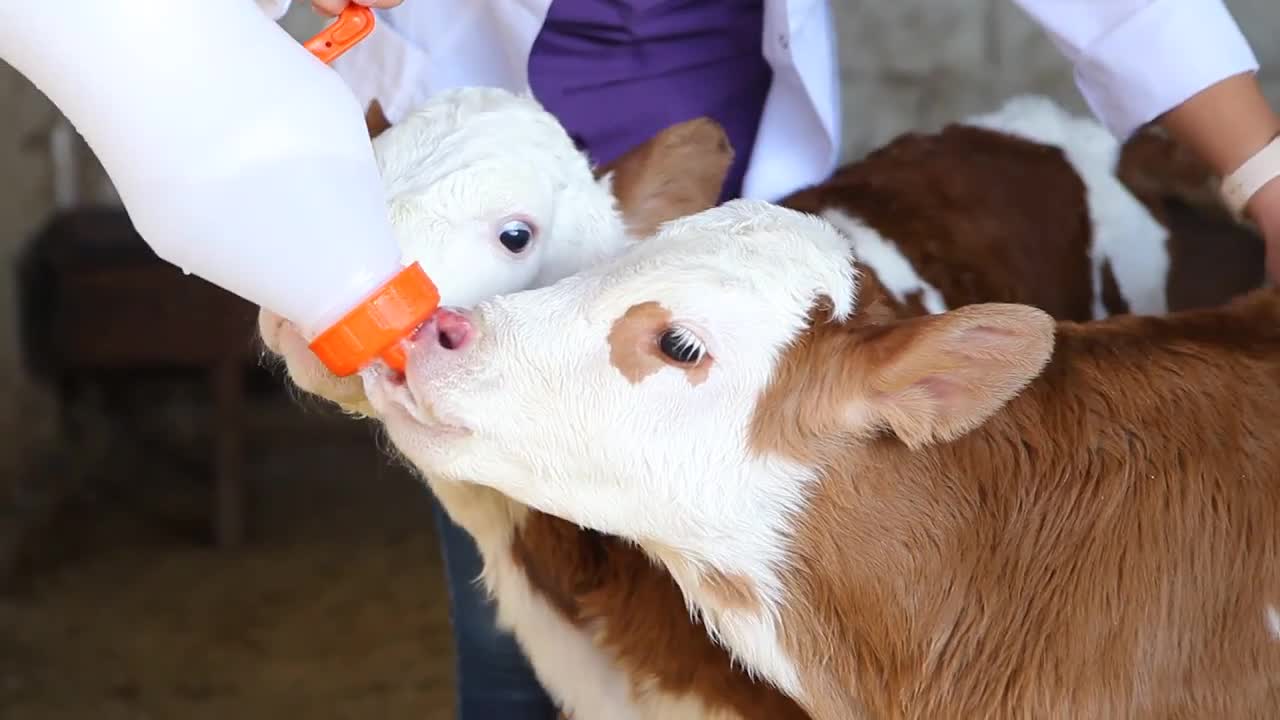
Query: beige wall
pixel 905 63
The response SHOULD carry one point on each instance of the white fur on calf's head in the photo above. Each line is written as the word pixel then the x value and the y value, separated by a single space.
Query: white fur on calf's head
pixel 475 162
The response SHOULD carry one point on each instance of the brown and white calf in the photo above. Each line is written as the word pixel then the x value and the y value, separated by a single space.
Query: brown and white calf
pixel 976 513
pixel 605 629
pixel 1032 204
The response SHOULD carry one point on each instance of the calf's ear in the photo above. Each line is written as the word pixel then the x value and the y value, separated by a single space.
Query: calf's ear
pixel 678 172
pixel 933 378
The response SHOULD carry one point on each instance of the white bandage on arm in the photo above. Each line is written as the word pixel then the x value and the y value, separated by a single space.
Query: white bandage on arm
pixel 1244 182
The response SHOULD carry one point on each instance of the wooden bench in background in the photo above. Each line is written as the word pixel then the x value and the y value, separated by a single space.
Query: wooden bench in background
pixel 98 306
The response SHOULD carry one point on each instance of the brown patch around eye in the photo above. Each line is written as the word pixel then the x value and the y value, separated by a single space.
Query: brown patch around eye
pixel 633 345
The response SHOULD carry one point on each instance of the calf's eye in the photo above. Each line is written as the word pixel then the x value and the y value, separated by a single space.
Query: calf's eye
pixel 681 346
pixel 515 236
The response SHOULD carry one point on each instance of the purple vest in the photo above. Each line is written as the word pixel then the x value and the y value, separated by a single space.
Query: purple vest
pixel 616 72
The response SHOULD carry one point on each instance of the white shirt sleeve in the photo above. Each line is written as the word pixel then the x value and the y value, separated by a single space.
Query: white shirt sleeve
pixel 1136 59
pixel 387 67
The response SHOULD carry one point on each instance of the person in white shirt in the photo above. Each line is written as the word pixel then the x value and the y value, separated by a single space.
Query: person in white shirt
pixel 767 70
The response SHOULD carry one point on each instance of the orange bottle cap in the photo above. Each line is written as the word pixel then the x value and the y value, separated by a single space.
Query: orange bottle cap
pixel 375 327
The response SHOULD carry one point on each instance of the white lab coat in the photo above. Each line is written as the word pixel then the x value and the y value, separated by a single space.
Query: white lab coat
pixel 1133 60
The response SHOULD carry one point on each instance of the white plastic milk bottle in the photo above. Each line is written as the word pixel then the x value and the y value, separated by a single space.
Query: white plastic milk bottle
pixel 240 157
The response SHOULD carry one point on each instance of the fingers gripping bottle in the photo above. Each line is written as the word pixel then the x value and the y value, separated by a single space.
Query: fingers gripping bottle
pixel 240 157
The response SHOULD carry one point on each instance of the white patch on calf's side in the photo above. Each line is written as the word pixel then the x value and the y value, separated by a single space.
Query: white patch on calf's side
pixel 1273 621
pixel 1124 232
pixel 895 272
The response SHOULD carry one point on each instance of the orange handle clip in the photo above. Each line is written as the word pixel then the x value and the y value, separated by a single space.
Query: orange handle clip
pixel 353 25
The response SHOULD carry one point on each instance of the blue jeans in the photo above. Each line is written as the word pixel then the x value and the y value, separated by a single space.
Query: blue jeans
pixel 494 680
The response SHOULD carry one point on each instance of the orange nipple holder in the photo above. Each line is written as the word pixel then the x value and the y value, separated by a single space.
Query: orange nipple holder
pixel 375 327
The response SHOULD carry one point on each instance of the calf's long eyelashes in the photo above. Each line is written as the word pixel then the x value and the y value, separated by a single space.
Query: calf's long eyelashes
pixel 681 346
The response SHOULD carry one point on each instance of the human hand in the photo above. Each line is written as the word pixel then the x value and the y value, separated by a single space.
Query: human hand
pixel 332 8
pixel 283 341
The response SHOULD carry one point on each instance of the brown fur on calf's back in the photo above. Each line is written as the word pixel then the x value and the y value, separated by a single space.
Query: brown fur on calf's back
pixel 982 216
pixel 1106 546
pixel 1211 259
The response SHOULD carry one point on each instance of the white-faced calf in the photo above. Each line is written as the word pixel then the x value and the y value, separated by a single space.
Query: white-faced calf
pixel 977 513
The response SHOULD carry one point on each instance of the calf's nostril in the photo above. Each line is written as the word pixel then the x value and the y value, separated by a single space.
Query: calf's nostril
pixel 452 330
